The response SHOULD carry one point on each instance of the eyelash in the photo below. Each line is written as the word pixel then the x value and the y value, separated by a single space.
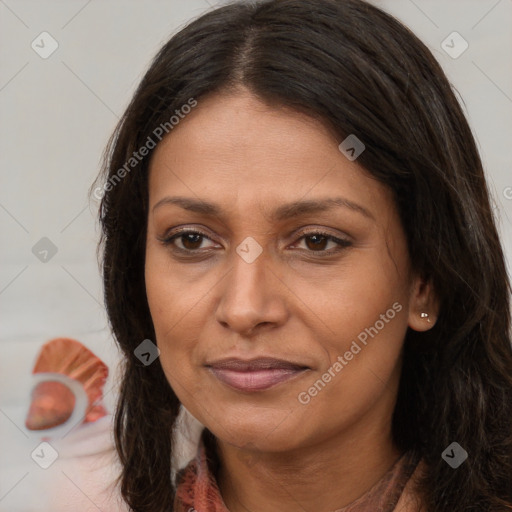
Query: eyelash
pixel 168 242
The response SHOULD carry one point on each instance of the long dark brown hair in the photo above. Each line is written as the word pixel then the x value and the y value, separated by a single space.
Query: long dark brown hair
pixel 361 72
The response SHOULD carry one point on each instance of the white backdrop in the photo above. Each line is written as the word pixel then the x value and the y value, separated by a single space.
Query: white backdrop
pixel 56 115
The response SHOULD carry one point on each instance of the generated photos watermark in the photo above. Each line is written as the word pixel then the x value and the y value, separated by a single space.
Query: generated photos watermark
pixel 304 397
pixel 137 156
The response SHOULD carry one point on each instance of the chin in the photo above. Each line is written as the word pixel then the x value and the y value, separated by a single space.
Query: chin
pixel 268 431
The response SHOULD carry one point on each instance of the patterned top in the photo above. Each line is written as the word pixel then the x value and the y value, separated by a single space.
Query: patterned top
pixel 197 489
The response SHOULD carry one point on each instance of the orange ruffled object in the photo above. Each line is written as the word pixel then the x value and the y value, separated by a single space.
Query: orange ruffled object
pixel 53 402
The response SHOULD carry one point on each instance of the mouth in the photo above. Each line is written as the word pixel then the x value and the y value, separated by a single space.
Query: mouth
pixel 255 374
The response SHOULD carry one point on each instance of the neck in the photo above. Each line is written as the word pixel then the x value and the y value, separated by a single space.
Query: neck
pixel 325 476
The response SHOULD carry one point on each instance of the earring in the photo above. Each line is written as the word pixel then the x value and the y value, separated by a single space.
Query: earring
pixel 425 315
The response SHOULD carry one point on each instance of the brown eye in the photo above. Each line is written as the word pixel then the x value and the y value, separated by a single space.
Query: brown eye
pixel 318 242
pixel 190 241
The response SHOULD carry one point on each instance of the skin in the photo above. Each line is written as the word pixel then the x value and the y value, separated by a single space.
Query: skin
pixel 289 303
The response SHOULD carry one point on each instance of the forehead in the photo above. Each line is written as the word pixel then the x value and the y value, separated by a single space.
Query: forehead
pixel 234 148
pixel 233 126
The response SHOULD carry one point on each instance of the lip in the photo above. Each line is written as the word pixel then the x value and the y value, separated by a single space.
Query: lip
pixel 252 375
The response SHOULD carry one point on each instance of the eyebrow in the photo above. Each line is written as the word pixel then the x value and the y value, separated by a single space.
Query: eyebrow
pixel 282 212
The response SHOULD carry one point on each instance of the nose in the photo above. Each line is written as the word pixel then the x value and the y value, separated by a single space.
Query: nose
pixel 253 296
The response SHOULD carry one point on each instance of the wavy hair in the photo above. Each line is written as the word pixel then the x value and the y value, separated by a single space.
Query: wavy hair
pixel 358 70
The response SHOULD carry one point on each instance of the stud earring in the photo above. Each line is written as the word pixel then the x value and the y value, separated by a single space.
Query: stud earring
pixel 425 315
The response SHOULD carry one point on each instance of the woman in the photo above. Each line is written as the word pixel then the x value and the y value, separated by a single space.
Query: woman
pixel 295 212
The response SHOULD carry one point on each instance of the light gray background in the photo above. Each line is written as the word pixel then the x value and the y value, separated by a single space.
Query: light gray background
pixel 56 116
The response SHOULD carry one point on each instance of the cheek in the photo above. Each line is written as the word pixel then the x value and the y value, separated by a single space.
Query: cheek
pixel 367 319
pixel 170 295
pixel 359 300
pixel 169 305
pixel 177 303
pixel 365 309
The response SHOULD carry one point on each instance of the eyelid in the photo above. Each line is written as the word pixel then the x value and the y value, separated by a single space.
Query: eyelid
pixel 318 230
pixel 342 242
pixel 171 235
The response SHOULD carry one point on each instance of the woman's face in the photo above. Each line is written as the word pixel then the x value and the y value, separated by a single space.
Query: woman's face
pixel 293 254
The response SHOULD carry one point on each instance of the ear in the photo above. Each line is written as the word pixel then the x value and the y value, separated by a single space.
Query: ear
pixel 423 305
